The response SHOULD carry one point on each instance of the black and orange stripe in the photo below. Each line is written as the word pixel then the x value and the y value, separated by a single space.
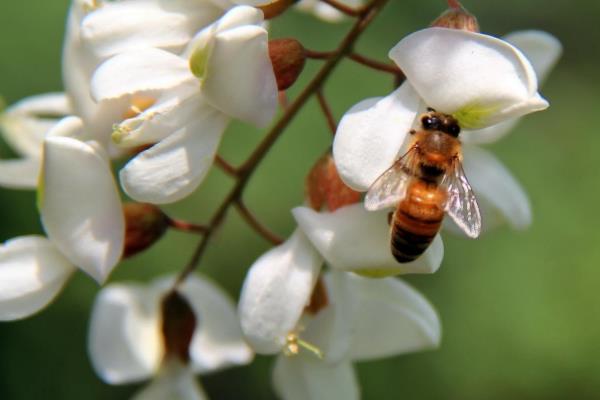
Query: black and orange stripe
pixel 417 220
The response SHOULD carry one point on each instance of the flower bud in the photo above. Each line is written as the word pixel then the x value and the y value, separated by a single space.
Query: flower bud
pixel 319 298
pixel 275 8
pixel 144 225
pixel 457 17
pixel 324 187
pixel 178 325
pixel 288 57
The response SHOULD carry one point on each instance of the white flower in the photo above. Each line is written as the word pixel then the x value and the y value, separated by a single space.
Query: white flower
pixel 82 216
pixel 482 81
pixel 325 11
pixel 366 319
pixel 79 201
pixel 32 272
pixel 225 72
pixel 23 126
pixel 98 30
pixel 279 283
pixel 354 239
pixel 362 319
pixel 126 343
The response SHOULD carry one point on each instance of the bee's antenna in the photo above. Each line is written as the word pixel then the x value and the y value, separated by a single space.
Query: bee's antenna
pixel 430 109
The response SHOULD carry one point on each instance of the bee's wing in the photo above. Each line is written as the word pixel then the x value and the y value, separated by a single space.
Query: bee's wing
pixel 461 203
pixel 390 187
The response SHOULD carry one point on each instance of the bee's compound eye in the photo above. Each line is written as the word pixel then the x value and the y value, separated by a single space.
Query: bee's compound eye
pixel 430 123
pixel 453 129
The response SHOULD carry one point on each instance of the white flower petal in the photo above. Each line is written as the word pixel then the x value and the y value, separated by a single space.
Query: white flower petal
pixel 20 174
pixel 25 123
pixel 32 273
pixel 392 318
pixel 253 3
pixel 331 328
pixel 125 343
pixel 55 104
pixel 173 110
pixel 174 381
pixel 80 206
pixel 353 239
pixel 239 78
pixel 120 26
pixel 138 71
pixel 543 51
pixel 218 341
pixel 500 196
pixel 371 134
pixel 239 16
pixel 277 288
pixel 304 377
pixel 479 79
pixel 78 63
pixel 173 168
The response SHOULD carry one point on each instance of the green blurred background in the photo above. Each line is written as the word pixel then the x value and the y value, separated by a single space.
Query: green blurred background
pixel 520 310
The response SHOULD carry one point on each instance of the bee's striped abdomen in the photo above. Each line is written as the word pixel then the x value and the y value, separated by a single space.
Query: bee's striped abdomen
pixel 416 221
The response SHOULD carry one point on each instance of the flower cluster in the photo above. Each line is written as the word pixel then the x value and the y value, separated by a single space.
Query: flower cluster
pixel 151 87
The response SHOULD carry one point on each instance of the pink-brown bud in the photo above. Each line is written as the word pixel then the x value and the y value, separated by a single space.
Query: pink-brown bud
pixel 457 17
pixel 325 188
pixel 178 325
pixel 276 8
pixel 319 298
pixel 144 225
pixel 288 58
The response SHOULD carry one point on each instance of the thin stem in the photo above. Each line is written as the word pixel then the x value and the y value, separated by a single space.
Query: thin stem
pixel 319 55
pixel 247 169
pixel 225 166
pixel 374 64
pixel 283 100
pixel 350 11
pixel 256 225
pixel 327 111
pixel 186 226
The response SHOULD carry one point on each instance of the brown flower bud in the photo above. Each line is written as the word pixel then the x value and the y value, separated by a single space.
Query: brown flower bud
pixel 144 225
pixel 178 325
pixel 457 17
pixel 274 8
pixel 325 188
pixel 288 57
pixel 319 298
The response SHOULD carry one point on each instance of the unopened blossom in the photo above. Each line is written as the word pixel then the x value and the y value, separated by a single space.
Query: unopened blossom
pixel 23 126
pixel 225 72
pixel 325 11
pixel 482 81
pixel 127 345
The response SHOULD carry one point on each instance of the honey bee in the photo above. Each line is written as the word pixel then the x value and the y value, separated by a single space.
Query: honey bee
pixel 423 184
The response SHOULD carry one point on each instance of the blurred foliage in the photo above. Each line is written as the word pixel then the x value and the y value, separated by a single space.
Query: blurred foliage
pixel 520 310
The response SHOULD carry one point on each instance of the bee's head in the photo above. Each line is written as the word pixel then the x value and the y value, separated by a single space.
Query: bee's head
pixel 436 121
